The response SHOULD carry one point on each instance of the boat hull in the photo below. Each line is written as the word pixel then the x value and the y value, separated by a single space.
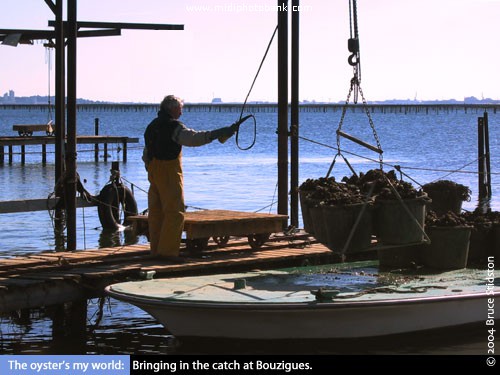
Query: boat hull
pixel 289 322
pixel 273 309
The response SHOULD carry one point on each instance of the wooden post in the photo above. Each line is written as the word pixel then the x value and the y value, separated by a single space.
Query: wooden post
pixel 23 154
pixel 78 319
pixel 70 320
pixel 44 154
pixel 481 163
pixel 2 154
pixel 487 153
pixel 56 313
pixel 60 112
pixel 105 152
pixel 10 154
pixel 96 146
pixel 71 175
pixel 294 117
pixel 282 107
pixel 125 142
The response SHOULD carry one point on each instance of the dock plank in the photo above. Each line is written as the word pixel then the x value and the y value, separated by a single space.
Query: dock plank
pixel 51 278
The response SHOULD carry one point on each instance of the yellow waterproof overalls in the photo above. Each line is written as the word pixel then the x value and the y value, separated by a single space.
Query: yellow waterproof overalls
pixel 166 206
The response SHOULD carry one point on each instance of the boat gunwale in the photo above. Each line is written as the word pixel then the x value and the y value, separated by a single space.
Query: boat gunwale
pixel 313 304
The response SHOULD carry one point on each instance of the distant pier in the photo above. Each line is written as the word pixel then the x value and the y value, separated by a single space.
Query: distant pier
pixel 43 141
pixel 404 108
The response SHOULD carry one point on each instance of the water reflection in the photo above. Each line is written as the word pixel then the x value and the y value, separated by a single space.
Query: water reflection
pixel 117 238
pixel 125 329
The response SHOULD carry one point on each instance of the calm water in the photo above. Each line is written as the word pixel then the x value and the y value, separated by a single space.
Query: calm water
pixel 426 146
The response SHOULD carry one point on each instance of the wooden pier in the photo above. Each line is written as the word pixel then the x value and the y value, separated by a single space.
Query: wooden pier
pixel 255 107
pixel 43 141
pixel 55 278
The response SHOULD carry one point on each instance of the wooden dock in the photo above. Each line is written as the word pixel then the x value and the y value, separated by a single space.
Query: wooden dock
pixel 43 141
pixel 56 278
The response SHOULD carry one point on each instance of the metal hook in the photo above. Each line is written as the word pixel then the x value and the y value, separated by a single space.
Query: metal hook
pixel 351 60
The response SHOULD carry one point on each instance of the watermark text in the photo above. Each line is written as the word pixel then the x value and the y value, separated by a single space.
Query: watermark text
pixel 490 318
pixel 251 8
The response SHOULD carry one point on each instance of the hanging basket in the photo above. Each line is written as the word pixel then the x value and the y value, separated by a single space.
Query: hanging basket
pixel 481 243
pixel 339 221
pixel 394 225
pixel 449 247
pixel 305 207
pixel 318 223
pixel 496 240
pixel 446 196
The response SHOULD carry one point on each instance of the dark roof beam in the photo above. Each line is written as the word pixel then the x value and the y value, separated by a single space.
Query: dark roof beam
pixel 106 32
pixel 51 5
pixel 27 36
pixel 30 34
pixel 121 25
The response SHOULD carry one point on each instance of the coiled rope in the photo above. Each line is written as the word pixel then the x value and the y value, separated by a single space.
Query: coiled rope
pixel 246 99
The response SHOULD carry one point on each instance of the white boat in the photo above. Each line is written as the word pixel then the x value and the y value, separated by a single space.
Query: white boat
pixel 319 303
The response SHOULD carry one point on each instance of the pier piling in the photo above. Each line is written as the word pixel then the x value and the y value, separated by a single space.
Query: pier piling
pixel 96 145
pixel 484 172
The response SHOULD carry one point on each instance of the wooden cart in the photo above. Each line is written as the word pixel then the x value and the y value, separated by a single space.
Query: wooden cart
pixel 26 130
pixel 220 225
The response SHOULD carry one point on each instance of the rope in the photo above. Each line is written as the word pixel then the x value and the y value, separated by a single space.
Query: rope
pixel 246 99
pixel 398 167
pixel 134 185
pixel 84 230
pixel 48 61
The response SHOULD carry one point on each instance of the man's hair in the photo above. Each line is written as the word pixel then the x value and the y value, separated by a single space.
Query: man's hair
pixel 170 102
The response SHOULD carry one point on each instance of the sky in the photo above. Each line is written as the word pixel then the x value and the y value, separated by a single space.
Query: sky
pixel 410 49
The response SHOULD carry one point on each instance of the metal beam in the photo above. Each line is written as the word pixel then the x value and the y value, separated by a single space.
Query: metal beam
pixel 283 107
pixel 60 108
pixel 124 25
pixel 71 175
pixel 106 32
pixel 50 34
pixel 294 119
pixel 42 204
pixel 28 34
pixel 52 6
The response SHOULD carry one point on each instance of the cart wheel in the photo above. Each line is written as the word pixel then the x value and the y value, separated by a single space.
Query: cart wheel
pixel 197 244
pixel 257 240
pixel 29 134
pixel 221 241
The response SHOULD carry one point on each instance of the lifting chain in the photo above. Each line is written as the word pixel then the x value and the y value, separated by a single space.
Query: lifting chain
pixel 355 86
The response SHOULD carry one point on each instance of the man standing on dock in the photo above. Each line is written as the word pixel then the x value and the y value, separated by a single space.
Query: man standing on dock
pixel 164 138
